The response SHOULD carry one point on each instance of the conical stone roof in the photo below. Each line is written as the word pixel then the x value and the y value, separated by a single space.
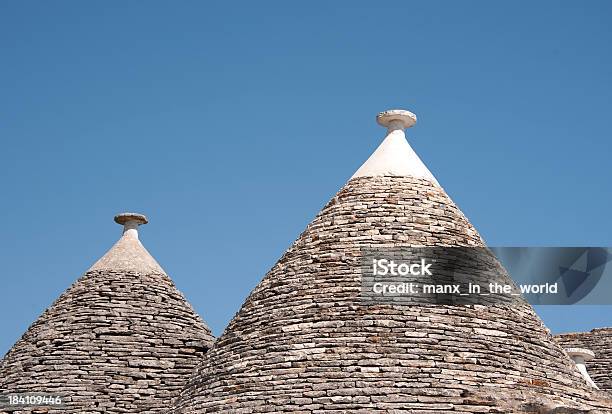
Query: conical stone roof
pixel 599 341
pixel 121 339
pixel 304 343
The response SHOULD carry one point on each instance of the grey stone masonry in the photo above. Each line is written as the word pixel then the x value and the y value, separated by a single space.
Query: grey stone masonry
pixel 117 341
pixel 303 343
pixel 600 342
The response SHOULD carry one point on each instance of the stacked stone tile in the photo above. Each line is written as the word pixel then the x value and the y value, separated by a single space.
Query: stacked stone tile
pixel 121 339
pixel 304 343
pixel 600 342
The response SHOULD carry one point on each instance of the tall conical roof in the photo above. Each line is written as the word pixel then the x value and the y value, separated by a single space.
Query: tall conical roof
pixel 599 341
pixel 121 339
pixel 304 342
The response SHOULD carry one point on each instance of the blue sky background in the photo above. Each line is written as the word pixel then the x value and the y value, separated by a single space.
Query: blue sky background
pixel 230 124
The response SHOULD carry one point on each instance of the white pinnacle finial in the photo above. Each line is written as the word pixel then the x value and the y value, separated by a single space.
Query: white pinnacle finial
pixel 394 156
pixel 128 254
pixel 130 222
pixel 580 356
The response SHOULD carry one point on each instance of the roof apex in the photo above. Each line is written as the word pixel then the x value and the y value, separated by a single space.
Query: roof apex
pixel 128 254
pixel 394 156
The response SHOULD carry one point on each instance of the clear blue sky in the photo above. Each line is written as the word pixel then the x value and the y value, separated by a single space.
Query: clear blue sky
pixel 230 124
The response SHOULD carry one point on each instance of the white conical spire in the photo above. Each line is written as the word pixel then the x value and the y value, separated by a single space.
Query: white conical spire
pixel 128 254
pixel 394 156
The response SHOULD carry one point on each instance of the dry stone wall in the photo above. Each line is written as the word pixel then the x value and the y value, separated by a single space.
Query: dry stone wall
pixel 115 342
pixel 303 343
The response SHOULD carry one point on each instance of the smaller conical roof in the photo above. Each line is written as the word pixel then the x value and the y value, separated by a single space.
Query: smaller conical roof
pixel 121 339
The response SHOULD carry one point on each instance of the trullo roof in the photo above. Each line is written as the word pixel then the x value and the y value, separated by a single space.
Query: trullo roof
pixel 121 339
pixel 304 343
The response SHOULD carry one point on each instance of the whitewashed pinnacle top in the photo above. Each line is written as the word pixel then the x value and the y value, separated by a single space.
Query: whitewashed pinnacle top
pixel 128 254
pixel 394 156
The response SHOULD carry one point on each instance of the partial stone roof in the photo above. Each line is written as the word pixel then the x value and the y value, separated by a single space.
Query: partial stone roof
pixel 121 339
pixel 303 342
pixel 599 342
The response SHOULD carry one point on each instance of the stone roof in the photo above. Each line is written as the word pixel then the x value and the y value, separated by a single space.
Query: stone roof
pixel 303 342
pixel 599 341
pixel 121 339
